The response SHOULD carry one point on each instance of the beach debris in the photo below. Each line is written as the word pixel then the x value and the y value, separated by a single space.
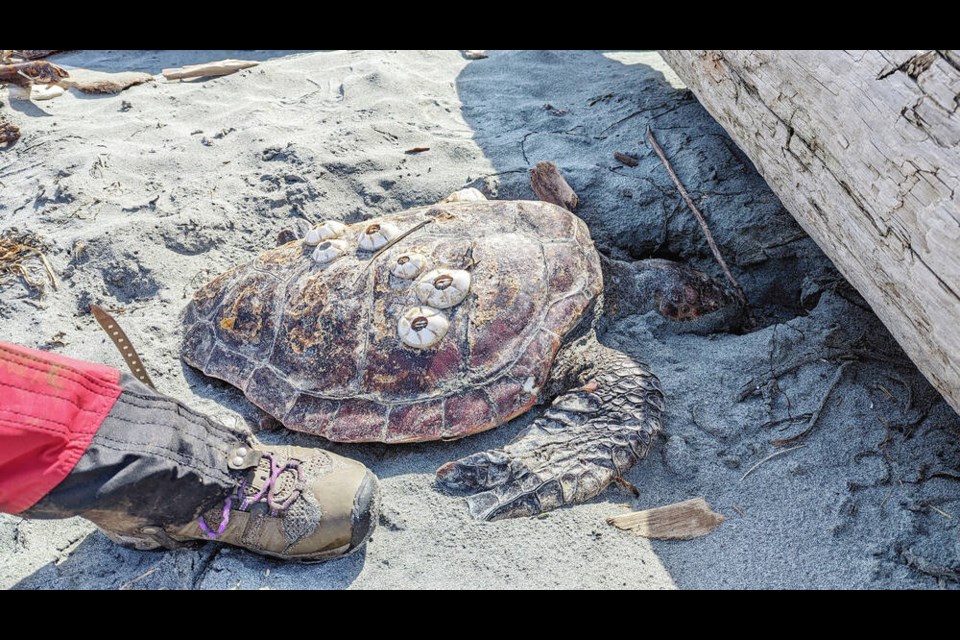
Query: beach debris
pixel 475 54
pixel 25 74
pixel 207 69
pixel 122 343
pixel 816 414
pixel 35 54
pixel 703 223
pixel 550 186
pixel 16 248
pixel 598 99
pixel 679 521
pixel 626 159
pixel 102 83
pixel 417 150
pixel 770 457
pixel 46 92
pixel 9 133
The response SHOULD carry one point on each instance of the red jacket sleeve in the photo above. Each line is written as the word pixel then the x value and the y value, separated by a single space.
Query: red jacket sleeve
pixel 50 409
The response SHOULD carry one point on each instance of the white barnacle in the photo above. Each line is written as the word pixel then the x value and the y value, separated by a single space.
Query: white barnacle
pixel 422 327
pixel 465 195
pixel 530 386
pixel 408 265
pixel 377 235
pixel 443 288
pixel 330 250
pixel 326 230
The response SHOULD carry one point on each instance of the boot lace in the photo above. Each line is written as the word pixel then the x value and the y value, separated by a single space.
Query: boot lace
pixel 267 494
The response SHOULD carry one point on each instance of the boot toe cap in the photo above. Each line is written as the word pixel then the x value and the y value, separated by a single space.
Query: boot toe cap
pixel 366 510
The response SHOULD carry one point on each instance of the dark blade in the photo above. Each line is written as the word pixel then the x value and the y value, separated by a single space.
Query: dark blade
pixel 108 324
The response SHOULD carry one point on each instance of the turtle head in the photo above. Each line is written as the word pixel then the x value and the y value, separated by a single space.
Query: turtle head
pixel 687 294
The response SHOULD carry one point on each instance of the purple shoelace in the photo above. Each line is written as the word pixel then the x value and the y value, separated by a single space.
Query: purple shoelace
pixel 267 493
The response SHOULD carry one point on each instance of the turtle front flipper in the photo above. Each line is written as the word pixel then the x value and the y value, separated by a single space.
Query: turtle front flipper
pixel 603 422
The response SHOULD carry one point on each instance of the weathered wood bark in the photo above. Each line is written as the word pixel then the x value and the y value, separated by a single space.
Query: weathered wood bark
pixel 862 148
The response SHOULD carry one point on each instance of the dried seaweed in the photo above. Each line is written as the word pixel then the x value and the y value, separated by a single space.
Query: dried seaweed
pixel 17 250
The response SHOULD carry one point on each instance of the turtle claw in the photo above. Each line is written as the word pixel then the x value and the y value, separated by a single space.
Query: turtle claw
pixel 476 472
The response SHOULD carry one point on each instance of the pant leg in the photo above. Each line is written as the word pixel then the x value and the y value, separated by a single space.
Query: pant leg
pixel 50 409
pixel 153 461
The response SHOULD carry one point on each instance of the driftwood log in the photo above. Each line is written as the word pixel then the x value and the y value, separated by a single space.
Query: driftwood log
pixel 863 148
pixel 208 69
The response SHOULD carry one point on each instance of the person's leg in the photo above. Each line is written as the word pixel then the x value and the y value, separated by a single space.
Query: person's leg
pixel 154 473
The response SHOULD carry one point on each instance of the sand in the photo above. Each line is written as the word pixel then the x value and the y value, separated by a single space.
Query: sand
pixel 141 197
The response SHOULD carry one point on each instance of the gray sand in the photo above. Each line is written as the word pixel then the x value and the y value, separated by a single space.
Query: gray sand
pixel 142 197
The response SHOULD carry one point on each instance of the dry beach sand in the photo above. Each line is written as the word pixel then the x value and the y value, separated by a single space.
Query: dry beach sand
pixel 141 197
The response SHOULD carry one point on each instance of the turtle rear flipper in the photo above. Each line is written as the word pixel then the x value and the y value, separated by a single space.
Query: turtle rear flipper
pixel 594 432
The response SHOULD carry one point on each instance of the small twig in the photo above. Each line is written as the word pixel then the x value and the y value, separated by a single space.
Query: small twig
pixel 48 268
pixel 886 497
pixel 774 423
pixel 696 212
pixel 417 150
pixel 941 512
pixel 737 508
pixel 816 414
pixel 126 586
pixel 771 457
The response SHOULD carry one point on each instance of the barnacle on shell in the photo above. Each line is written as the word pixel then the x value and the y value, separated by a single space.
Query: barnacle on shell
pixel 465 195
pixel 330 250
pixel 443 288
pixel 408 265
pixel 376 235
pixel 422 327
pixel 326 230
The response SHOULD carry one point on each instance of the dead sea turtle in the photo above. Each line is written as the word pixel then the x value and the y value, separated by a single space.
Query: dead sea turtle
pixel 443 321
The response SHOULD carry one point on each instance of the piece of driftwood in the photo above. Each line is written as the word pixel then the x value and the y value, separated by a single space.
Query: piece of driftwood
pixel 36 54
pixel 475 54
pixel 9 133
pixel 208 69
pixel 679 521
pixel 24 74
pixel 862 148
pixel 100 82
pixel 550 186
pixel 40 92
pixel 623 158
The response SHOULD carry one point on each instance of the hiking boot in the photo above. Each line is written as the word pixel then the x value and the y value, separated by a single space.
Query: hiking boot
pixel 292 503
pixel 160 475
